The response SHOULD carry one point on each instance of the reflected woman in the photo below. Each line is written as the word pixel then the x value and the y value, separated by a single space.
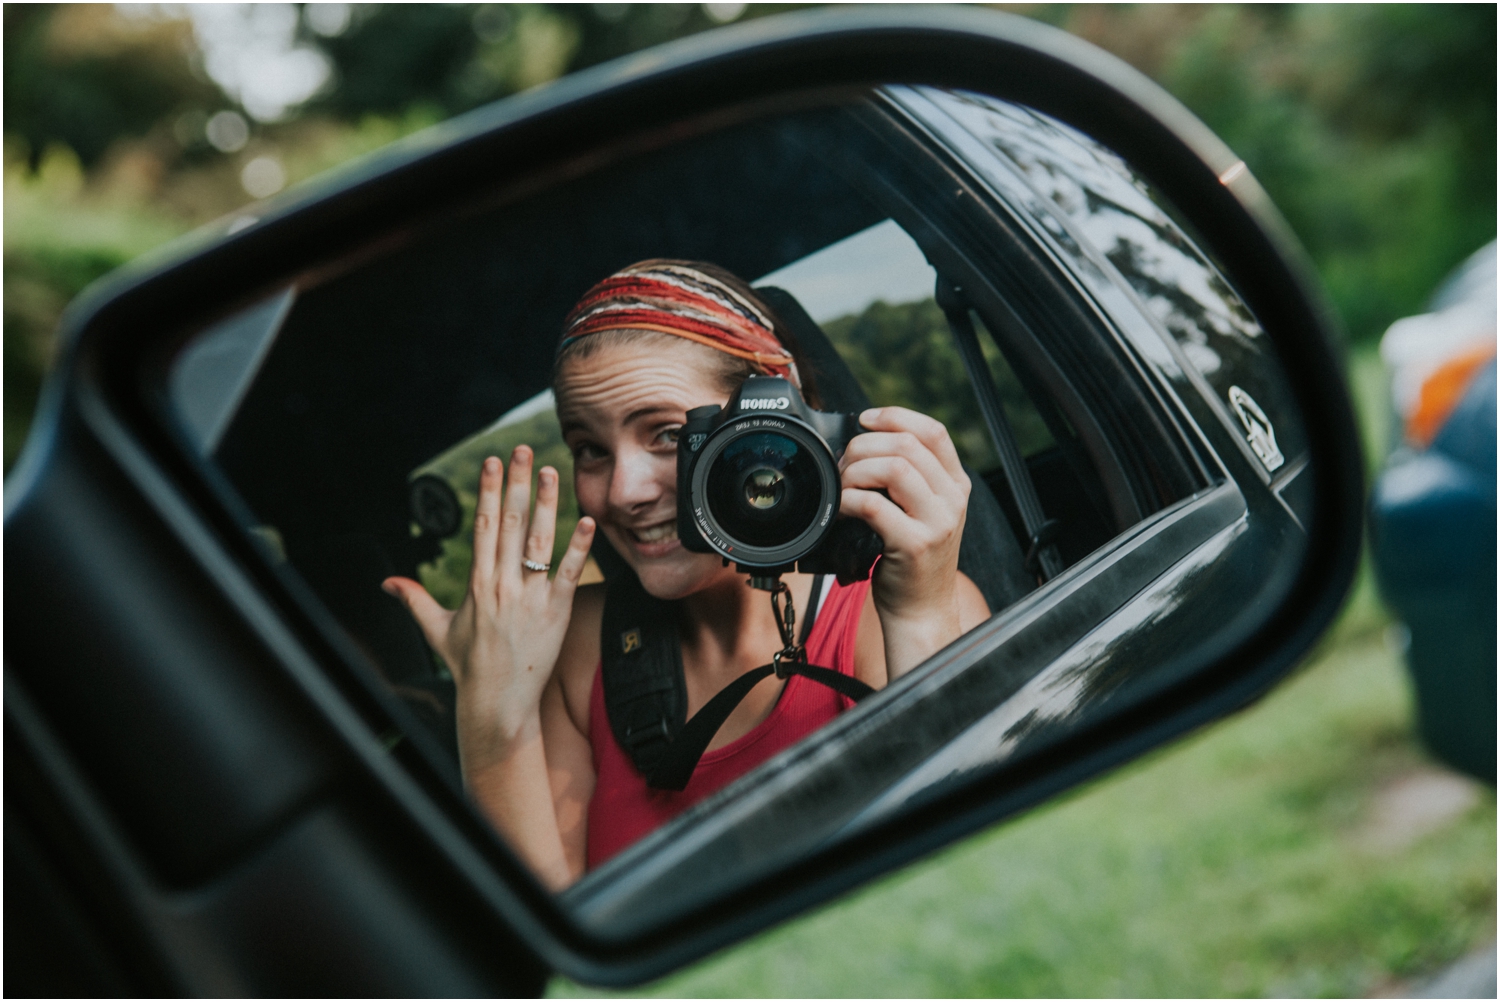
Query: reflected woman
pixel 640 350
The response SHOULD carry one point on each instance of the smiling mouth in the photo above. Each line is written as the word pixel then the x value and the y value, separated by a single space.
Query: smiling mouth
pixel 658 533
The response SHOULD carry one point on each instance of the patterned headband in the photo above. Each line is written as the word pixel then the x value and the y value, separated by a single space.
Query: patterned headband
pixel 673 297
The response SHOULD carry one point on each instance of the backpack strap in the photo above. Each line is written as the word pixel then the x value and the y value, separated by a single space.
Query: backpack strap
pixel 645 691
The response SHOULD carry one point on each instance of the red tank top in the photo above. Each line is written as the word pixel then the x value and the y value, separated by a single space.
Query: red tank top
pixel 623 808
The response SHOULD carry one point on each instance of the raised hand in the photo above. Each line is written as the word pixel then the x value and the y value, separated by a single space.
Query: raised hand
pixel 503 641
pixel 920 518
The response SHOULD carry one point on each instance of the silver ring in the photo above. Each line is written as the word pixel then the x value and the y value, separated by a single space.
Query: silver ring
pixel 532 565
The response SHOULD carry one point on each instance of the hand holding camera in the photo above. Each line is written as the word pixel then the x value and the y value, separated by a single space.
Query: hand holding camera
pixel 903 477
pixel 771 483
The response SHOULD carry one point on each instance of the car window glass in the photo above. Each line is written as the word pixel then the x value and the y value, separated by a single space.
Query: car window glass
pixel 1113 209
pixel 873 295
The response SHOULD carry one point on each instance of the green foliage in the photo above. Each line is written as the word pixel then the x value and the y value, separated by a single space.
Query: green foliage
pixel 83 77
pixel 396 55
pixel 903 355
pixel 454 57
pixel 38 284
pixel 55 246
pixel 1372 127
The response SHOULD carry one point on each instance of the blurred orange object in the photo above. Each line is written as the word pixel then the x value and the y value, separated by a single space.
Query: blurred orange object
pixel 1442 391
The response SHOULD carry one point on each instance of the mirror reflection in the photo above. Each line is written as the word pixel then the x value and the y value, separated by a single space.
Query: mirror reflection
pixel 764 480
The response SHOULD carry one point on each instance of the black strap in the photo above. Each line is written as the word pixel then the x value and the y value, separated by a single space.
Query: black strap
pixel 1042 538
pixel 814 604
pixel 844 685
pixel 645 691
pixel 1044 559
pixel 681 757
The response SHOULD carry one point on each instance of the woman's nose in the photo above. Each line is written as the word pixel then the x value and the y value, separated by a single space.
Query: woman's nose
pixel 638 480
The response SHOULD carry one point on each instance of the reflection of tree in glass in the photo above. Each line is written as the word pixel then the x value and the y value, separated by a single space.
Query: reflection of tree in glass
pixel 904 356
pixel 447 577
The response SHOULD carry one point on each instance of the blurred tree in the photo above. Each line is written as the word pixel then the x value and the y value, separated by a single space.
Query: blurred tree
pixel 903 355
pixel 391 56
pixel 610 30
pixel 454 57
pixel 1372 127
pixel 1409 69
pixel 82 76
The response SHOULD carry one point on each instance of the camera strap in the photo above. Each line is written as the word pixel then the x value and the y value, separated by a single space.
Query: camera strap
pixel 645 690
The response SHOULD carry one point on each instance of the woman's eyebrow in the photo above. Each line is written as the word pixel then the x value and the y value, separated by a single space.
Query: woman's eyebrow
pixel 649 410
pixel 569 422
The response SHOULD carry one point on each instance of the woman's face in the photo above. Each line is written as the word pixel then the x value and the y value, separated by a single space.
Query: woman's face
pixel 620 409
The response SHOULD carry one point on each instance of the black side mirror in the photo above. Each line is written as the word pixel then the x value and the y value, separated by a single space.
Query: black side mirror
pixel 218 722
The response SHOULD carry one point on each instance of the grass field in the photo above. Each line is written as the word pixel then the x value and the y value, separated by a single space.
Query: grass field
pixel 1306 846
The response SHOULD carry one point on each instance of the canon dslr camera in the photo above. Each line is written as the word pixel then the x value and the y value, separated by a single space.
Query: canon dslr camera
pixel 758 483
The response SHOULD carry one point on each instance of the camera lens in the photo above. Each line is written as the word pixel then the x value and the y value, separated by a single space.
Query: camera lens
pixel 763 488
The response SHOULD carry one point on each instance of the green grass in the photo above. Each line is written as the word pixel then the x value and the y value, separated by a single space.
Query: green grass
pixel 1227 864
pixel 1230 863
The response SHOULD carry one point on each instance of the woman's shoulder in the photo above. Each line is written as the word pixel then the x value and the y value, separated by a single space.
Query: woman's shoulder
pixel 578 661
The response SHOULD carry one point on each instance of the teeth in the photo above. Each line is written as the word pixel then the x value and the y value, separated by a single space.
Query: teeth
pixel 657 533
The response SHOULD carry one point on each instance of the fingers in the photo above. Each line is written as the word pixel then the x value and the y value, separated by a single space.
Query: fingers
pixel 880 513
pixel 544 518
pixel 486 524
pixel 431 617
pixel 906 487
pixel 928 430
pixel 910 448
pixel 570 568
pixel 508 554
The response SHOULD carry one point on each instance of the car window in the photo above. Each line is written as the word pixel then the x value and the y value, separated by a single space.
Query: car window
pixel 1109 207
pixel 880 313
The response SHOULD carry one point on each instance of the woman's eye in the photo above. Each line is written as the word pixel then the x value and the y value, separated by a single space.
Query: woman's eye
pixel 584 452
pixel 668 436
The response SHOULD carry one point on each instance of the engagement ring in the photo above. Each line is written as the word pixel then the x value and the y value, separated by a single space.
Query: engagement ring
pixel 532 565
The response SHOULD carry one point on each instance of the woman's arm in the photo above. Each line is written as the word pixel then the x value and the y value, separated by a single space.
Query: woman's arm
pixel 565 727
pixel 904 478
pixel 869 643
pixel 502 645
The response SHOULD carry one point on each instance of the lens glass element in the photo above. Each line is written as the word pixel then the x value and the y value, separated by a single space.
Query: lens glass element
pixel 764 489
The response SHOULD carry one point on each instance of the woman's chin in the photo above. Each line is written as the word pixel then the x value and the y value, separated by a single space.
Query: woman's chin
pixel 678 575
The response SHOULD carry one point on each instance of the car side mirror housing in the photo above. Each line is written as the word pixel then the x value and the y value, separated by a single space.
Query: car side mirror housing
pixel 213 709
